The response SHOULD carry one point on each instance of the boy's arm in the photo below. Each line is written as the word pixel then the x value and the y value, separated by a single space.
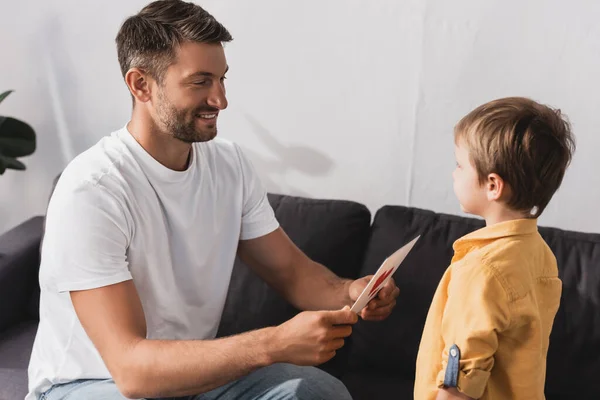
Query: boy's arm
pixel 451 394
pixel 477 309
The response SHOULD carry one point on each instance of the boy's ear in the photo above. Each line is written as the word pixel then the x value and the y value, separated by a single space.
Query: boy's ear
pixel 495 187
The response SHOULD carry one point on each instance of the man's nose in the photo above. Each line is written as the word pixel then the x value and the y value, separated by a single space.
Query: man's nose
pixel 217 98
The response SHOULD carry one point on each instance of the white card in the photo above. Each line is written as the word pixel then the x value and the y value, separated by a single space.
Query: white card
pixel 383 275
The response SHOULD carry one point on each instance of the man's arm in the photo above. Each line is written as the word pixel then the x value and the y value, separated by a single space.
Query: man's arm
pixel 275 258
pixel 308 285
pixel 113 318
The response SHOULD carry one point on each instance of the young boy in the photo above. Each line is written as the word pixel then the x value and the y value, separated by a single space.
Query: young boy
pixel 488 328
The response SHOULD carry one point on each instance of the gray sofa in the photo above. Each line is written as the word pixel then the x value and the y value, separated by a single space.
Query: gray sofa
pixel 378 361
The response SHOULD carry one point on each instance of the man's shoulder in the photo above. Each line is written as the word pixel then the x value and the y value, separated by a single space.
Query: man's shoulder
pixel 105 164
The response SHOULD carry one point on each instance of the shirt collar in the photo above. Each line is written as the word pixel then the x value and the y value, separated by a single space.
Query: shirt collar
pixel 483 236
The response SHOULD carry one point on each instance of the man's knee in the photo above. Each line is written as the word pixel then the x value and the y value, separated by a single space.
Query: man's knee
pixel 309 383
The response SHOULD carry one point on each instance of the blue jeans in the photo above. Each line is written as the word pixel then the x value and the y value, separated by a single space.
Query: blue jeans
pixel 277 382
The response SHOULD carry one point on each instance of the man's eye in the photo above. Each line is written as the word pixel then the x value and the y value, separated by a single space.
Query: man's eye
pixel 200 83
pixel 223 78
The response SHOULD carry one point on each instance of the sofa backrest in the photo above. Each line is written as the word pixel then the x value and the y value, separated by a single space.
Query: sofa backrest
pixel 574 353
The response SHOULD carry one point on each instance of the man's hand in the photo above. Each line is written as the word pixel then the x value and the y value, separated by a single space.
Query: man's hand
pixel 312 337
pixel 380 307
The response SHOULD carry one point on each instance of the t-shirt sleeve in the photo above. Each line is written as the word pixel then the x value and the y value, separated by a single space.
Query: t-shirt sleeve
pixel 258 218
pixel 477 310
pixel 85 240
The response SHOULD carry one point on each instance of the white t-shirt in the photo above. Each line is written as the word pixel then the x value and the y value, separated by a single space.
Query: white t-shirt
pixel 118 214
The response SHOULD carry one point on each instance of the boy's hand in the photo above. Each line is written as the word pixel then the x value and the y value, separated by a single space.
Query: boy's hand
pixel 381 306
pixel 451 394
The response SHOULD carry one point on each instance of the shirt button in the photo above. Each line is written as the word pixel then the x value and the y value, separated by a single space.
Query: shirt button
pixel 453 352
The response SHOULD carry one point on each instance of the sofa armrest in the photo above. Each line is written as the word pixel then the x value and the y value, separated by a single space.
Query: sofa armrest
pixel 19 265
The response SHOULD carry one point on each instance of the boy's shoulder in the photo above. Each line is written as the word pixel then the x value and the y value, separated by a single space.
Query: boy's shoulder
pixel 515 262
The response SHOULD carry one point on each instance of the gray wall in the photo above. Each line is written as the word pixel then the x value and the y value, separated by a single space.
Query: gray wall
pixel 338 99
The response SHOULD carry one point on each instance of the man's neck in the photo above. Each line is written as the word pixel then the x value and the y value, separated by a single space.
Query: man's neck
pixel 164 148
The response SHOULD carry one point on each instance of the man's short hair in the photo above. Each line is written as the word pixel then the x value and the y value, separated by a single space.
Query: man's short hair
pixel 149 39
pixel 529 145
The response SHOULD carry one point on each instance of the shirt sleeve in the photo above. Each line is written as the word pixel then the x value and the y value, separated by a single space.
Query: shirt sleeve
pixel 85 240
pixel 258 218
pixel 477 309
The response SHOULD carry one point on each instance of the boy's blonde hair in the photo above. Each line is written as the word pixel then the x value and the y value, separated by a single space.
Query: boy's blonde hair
pixel 529 145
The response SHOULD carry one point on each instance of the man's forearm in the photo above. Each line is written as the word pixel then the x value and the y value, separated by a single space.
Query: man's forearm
pixel 173 368
pixel 307 285
pixel 315 287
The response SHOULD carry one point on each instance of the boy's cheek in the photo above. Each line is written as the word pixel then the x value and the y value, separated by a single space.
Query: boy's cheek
pixel 456 189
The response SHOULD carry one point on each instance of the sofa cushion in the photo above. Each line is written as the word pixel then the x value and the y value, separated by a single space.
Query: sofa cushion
pixel 332 232
pixel 574 354
pixel 391 346
pixel 13 383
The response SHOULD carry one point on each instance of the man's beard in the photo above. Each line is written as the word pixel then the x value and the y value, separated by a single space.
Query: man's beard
pixel 182 124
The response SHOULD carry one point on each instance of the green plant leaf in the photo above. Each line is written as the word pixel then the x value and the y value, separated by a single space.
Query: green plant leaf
pixel 11 163
pixel 11 127
pixel 17 139
pixel 15 147
pixel 5 95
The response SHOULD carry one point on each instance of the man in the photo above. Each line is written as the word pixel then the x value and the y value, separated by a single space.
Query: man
pixel 141 235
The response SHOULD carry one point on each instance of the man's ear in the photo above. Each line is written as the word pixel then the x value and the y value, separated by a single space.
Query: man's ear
pixel 495 187
pixel 138 82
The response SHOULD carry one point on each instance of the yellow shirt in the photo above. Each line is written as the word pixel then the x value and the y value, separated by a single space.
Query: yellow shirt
pixel 496 303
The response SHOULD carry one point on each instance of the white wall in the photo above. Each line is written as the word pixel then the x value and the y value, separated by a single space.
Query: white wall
pixel 334 99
